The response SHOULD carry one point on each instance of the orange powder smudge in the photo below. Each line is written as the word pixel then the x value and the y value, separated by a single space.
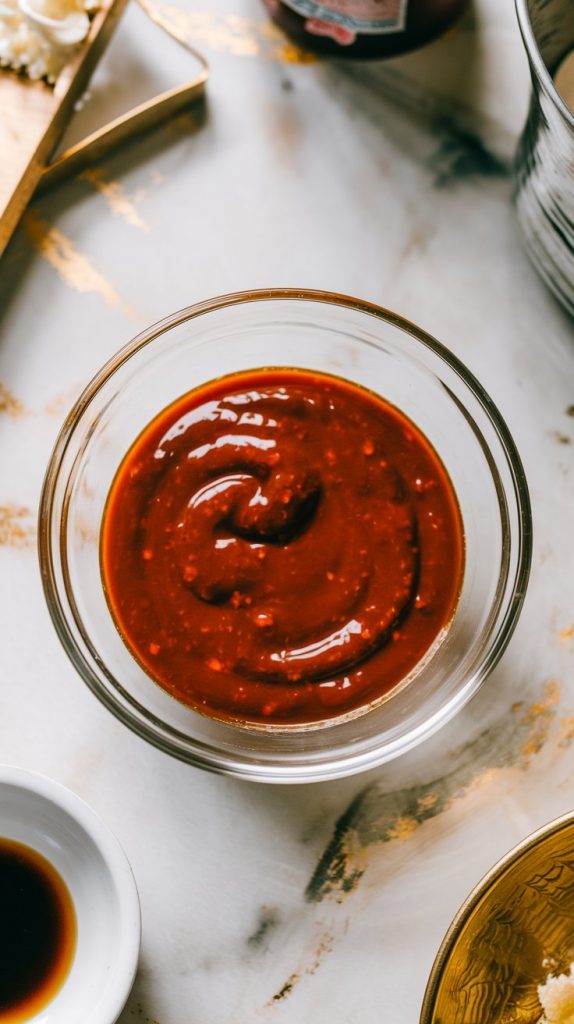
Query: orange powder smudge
pixel 17 527
pixel 9 403
pixel 230 33
pixel 73 267
pixel 120 202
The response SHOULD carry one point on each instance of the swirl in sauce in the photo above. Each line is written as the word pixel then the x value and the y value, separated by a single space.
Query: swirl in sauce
pixel 280 547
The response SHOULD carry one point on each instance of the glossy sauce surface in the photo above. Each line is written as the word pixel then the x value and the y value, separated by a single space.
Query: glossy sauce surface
pixel 281 547
pixel 37 932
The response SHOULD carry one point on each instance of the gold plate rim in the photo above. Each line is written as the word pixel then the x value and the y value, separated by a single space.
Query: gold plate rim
pixel 483 886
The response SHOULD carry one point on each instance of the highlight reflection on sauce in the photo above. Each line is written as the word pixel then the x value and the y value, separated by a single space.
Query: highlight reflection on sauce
pixel 281 546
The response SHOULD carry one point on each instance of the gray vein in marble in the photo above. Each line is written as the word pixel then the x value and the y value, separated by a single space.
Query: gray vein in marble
pixel 375 816
pixel 267 922
pixel 332 871
pixel 461 155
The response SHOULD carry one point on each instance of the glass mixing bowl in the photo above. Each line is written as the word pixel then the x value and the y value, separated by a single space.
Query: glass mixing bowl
pixel 317 331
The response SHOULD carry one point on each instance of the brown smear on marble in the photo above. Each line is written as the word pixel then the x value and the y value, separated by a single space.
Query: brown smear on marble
pixel 416 241
pixel 323 946
pixel 233 34
pixel 140 1013
pixel 9 403
pixel 61 404
pixel 375 816
pixel 72 266
pixel 566 732
pixel 120 202
pixel 17 527
pixel 539 718
pixel 566 635
pixel 286 988
pixel 12 406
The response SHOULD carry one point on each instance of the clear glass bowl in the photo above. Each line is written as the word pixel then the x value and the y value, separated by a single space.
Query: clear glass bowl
pixel 317 331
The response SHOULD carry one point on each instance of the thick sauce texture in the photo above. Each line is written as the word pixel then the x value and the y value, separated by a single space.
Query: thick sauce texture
pixel 281 547
pixel 37 932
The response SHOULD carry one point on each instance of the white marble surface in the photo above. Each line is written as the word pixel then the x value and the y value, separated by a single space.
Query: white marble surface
pixel 296 174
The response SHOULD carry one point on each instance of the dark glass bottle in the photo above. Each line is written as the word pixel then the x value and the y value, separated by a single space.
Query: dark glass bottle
pixel 363 28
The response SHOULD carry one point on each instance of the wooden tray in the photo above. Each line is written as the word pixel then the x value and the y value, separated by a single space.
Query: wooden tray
pixel 33 116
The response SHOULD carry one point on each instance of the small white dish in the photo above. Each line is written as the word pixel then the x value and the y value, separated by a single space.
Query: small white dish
pixel 51 819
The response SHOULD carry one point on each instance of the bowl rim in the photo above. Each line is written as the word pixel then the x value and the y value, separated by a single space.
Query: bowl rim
pixel 116 861
pixel 537 64
pixel 482 887
pixel 267 771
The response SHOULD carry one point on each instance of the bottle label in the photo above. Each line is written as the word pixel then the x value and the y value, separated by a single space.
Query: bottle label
pixel 344 20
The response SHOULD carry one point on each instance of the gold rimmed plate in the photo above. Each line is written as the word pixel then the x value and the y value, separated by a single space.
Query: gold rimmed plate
pixel 515 928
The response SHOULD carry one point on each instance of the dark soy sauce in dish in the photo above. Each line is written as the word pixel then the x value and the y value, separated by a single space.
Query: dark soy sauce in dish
pixel 37 932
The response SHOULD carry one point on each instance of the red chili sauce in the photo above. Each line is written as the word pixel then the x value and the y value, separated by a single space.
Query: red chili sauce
pixel 281 546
